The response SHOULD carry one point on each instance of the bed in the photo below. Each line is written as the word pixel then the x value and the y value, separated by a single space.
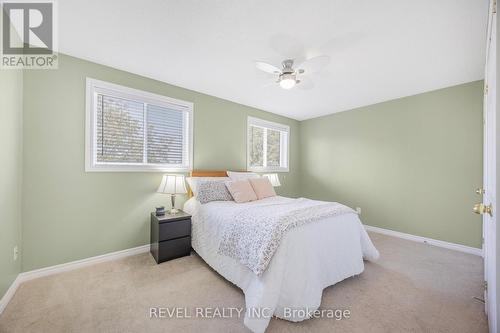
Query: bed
pixel 308 259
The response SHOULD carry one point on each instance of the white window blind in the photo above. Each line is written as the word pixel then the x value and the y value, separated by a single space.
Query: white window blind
pixel 267 146
pixel 120 130
pixel 131 130
pixel 165 139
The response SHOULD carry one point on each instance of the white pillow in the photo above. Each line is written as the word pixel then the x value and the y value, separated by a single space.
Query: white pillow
pixel 192 206
pixel 234 175
pixel 194 181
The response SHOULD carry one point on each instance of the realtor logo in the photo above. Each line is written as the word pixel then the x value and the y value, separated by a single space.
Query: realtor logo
pixel 28 35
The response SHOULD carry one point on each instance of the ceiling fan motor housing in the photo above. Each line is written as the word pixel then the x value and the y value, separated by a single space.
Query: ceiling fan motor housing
pixel 288 66
pixel 288 73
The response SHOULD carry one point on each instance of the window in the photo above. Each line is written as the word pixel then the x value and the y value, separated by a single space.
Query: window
pixel 132 130
pixel 267 145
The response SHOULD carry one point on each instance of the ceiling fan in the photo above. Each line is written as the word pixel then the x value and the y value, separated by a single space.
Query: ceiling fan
pixel 288 76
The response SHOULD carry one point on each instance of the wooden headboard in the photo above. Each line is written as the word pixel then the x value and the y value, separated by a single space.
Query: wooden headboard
pixel 201 173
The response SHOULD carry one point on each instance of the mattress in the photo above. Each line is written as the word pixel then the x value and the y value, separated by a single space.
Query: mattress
pixel 309 258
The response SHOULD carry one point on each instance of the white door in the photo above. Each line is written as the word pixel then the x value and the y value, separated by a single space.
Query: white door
pixel 488 206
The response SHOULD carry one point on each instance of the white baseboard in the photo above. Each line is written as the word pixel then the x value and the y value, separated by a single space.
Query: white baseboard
pixel 26 276
pixel 9 294
pixel 69 266
pixel 425 240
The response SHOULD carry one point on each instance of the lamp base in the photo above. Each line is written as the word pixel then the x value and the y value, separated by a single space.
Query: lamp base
pixel 173 211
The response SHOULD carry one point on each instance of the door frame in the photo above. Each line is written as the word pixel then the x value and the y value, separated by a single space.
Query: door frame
pixel 490 168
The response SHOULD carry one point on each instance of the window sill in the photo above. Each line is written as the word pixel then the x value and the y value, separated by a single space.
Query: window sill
pixel 253 169
pixel 134 168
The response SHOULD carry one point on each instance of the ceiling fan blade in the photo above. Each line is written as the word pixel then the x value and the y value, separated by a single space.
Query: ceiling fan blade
pixel 268 68
pixel 314 64
pixel 305 84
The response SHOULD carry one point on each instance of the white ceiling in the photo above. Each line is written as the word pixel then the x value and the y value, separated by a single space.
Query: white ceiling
pixel 380 50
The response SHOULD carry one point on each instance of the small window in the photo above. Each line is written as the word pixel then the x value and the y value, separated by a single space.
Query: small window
pixel 267 145
pixel 132 130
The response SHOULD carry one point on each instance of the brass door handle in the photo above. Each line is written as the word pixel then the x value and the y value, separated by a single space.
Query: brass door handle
pixel 481 208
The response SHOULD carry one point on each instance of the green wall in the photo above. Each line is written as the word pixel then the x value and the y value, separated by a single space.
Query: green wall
pixel 70 214
pixel 411 164
pixel 11 111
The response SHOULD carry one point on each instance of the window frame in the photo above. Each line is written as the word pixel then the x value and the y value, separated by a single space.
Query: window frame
pixel 93 87
pixel 266 124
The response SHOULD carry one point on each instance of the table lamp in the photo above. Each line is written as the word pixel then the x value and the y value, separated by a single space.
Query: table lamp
pixel 173 185
pixel 273 178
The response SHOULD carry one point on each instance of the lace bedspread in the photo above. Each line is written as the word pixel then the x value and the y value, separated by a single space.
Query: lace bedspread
pixel 254 234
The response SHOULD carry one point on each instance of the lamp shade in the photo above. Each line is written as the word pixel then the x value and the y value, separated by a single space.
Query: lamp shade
pixel 172 184
pixel 274 179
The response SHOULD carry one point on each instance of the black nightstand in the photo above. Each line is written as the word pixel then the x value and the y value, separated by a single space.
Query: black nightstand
pixel 170 236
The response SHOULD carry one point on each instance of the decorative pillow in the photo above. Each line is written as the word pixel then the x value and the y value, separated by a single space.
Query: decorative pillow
pixel 242 175
pixel 241 191
pixel 194 181
pixel 212 190
pixel 262 187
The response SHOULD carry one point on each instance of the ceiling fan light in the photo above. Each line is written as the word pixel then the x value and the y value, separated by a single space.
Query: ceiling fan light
pixel 287 83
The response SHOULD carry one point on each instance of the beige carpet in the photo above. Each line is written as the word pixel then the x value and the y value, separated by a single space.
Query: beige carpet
pixel 412 288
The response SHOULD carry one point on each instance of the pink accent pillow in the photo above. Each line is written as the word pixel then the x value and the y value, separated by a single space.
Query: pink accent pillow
pixel 262 187
pixel 241 191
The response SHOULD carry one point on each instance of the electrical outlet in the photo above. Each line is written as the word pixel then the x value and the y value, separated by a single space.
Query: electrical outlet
pixel 358 210
pixel 16 253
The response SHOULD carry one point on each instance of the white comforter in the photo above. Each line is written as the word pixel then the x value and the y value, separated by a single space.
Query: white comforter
pixel 309 259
